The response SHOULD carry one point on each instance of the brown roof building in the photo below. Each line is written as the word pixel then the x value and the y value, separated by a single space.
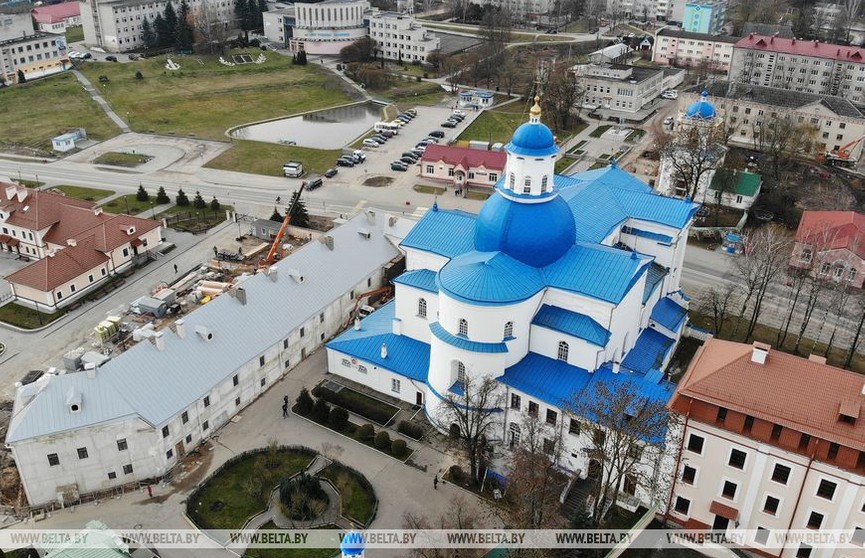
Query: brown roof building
pixel 771 441
pixel 75 244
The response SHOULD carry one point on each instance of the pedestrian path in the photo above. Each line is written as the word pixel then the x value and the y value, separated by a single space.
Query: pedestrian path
pixel 100 100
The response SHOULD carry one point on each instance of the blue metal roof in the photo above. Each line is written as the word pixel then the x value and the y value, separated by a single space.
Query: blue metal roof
pixel 655 208
pixel 553 381
pixel 533 139
pixel 649 351
pixel 662 238
pixel 654 275
pixel 702 109
pixel 572 323
pixel 597 271
pixel 669 314
pixel 465 343
pixel 514 227
pixel 447 232
pixel 596 211
pixel 405 356
pixel 489 278
pixel 423 279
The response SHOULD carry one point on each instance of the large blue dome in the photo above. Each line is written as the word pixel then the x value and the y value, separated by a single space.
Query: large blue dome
pixel 533 138
pixel 702 109
pixel 536 234
pixel 489 278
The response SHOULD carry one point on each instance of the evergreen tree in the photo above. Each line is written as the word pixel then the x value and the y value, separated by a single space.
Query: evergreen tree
pixel 241 9
pixel 277 216
pixel 161 197
pixel 161 30
pixel 142 194
pixel 214 204
pixel 185 35
pixel 21 77
pixel 198 201
pixel 181 198
pixel 170 17
pixel 262 7
pixel 301 58
pixel 299 216
pixel 148 34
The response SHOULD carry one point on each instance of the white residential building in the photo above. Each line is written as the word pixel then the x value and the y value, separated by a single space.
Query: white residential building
pixel 772 442
pixel 619 88
pixel 683 49
pixel 115 25
pixel 323 28
pixel 134 417
pixel 400 37
pixel 35 55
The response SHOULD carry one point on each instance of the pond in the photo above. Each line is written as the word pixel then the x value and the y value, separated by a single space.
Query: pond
pixel 324 129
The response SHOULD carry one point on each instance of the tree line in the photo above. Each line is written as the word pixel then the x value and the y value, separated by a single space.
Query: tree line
pixel 170 28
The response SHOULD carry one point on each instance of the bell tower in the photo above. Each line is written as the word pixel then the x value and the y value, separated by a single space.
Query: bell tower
pixel 531 160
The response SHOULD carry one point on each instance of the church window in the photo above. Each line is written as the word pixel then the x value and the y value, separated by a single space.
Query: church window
pixel 544 184
pixel 563 351
pixel 461 374
pixel 421 307
pixel 509 330
pixel 463 327
pixel 527 185
pixel 513 181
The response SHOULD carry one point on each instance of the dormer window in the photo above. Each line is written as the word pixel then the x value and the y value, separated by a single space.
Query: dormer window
pixel 849 411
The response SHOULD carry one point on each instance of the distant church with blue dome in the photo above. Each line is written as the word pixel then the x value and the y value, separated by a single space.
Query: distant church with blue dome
pixel 558 282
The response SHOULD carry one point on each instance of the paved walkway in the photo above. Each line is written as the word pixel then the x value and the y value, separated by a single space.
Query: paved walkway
pixel 101 101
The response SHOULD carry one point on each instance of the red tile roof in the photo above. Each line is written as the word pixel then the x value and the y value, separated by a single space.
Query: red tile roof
pixel 833 230
pixel 35 209
pixel 108 230
pixel 56 13
pixel 788 390
pixel 467 158
pixel 52 271
pixel 802 48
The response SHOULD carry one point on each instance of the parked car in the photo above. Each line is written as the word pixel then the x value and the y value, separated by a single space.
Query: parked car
pixel 74 55
pixel 87 56
pixel 380 137
pixel 459 113
pixel 594 30
pixel 668 121
pixel 330 173
pixel 359 156
pixel 398 166
pixel 449 124
pixel 423 143
pixel 436 134
pixel 670 94
pixel 417 151
pixel 369 142
pixel 111 58
pixel 133 57
pixel 408 160
pixel 344 162
pixel 412 112
pixel 406 115
pixel 412 154
pixel 431 139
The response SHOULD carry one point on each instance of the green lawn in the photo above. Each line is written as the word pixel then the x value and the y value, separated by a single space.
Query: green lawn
pixel 26 318
pixel 494 126
pixel 424 189
pixel 115 159
pixel 358 497
pixel 74 34
pixel 232 496
pixel 563 163
pixel 205 98
pixel 130 205
pixel 410 93
pixel 291 552
pixel 599 131
pixel 62 105
pixel 84 193
pixel 257 157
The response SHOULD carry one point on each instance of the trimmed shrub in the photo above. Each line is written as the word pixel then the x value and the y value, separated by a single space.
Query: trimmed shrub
pixel 398 448
pixel 382 441
pixel 304 403
pixel 356 403
pixel 302 497
pixel 457 474
pixel 320 411
pixel 410 429
pixel 366 432
pixel 338 418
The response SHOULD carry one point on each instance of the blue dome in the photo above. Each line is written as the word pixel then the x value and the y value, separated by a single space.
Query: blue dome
pixel 702 109
pixel 533 138
pixel 352 544
pixel 536 234
pixel 489 278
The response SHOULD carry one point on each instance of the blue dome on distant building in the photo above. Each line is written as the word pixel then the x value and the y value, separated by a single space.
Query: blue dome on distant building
pixel 352 544
pixel 533 138
pixel 702 109
pixel 536 234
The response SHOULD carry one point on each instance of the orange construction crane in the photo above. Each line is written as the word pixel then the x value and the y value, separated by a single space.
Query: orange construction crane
pixel 842 155
pixel 271 254
pixel 385 291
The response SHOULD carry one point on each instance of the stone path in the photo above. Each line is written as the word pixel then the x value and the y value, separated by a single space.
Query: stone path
pixel 103 104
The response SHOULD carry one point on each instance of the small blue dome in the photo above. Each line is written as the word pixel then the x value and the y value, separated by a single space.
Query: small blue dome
pixel 702 109
pixel 533 138
pixel 352 544
pixel 489 278
pixel 536 234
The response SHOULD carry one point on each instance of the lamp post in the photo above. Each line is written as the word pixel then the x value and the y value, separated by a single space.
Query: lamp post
pixel 152 210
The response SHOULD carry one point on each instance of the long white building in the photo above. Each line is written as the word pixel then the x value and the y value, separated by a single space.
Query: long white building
pixel 558 283
pixel 134 417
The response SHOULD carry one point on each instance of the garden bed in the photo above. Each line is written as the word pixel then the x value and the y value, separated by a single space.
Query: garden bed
pixel 115 159
pixel 358 497
pixel 26 318
pixel 424 189
pixel 358 403
pixel 599 131
pixel 130 205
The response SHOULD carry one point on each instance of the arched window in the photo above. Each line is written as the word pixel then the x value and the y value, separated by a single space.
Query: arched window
pixel 527 185
pixel 461 373
pixel 421 307
pixel 563 351
pixel 544 181
pixel 806 255
pixel 509 330
pixel 464 327
pixel 513 181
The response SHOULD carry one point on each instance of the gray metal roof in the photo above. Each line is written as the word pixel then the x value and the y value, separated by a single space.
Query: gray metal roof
pixel 678 33
pixel 157 385
pixel 779 97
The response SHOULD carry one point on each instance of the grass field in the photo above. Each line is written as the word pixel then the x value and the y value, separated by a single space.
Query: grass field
pixel 205 98
pixel 496 126
pixel 257 157
pixel 84 193
pixel 130 205
pixel 130 160
pixel 424 189
pixel 358 498
pixel 74 34
pixel 62 105
pixel 26 318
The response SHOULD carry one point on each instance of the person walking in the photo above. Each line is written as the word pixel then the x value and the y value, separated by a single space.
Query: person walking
pixel 436 482
pixel 175 268
pixel 285 410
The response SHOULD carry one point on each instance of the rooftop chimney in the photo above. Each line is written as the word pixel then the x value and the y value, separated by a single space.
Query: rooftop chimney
pixel 357 326
pixel 204 333
pixel 295 274
pixel 271 273
pixel 759 352
pixel 90 369
pixel 397 326
pixel 97 211
pixel 180 329
pixel 817 358
pixel 384 350
pixel 370 216
pixel 327 240
pixel 71 242
pixel 159 341
pixel 240 294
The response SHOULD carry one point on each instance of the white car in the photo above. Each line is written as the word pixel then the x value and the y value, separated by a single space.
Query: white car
pixel 459 113
pixel 75 55
pixel 668 121
pixel 670 94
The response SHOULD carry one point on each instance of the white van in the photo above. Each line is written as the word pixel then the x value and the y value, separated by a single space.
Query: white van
pixel 293 169
pixel 381 126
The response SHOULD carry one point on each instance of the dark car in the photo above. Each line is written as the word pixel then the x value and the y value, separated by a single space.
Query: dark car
pixel 87 56
pixel 111 58
pixel 380 138
pixel 449 124
pixel 410 154
pixel 437 134
pixel 398 166
pixel 417 151
pixel 387 133
pixel 133 57
pixel 408 160
pixel 344 162
pixel 594 30
pixel 330 173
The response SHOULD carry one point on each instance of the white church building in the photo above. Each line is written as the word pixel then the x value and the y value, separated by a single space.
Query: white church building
pixel 558 282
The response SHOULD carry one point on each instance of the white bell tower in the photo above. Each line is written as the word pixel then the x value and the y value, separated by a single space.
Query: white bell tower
pixel 531 160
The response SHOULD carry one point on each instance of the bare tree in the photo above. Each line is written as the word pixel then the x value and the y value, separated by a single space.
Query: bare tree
pixel 474 413
pixel 459 516
pixel 784 139
pixel 859 310
pixel 692 153
pixel 796 280
pixel 562 95
pixel 717 303
pixel 624 426
pixel 851 14
pixel 212 32
pixel 767 252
